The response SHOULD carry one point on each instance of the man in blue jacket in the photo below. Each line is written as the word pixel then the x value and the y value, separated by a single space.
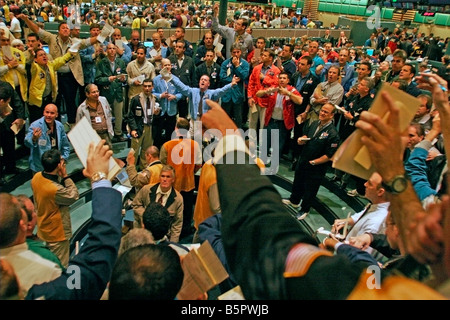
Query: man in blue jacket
pixel 44 134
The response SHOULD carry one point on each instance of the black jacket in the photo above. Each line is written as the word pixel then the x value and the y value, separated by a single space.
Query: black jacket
pixel 306 91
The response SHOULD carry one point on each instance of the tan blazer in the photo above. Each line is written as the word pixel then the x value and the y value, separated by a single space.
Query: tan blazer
pixel 55 46
pixel 174 205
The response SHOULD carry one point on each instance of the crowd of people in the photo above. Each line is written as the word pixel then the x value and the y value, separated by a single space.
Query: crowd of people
pixel 299 99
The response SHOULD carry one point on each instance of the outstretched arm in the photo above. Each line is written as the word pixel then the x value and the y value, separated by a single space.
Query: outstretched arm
pixel 385 147
pixel 258 232
pixel 33 26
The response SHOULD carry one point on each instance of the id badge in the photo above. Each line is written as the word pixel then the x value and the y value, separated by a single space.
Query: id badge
pixel 228 72
pixel 138 113
pixel 98 119
pixel 42 142
pixel 53 143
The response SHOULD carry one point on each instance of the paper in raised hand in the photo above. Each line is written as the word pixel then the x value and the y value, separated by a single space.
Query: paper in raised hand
pixel 81 135
pixel 218 47
pixel 216 39
pixel 165 74
pixel 107 31
pixel 75 46
pixel 352 156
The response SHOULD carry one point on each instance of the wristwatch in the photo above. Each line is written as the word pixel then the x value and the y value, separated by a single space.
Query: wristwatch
pixel 98 176
pixel 397 185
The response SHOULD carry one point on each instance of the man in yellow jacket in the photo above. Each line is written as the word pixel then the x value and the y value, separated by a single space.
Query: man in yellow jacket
pixel 43 84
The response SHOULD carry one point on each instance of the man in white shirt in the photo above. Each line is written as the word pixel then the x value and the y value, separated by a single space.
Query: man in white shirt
pixel 15 27
pixel 29 267
pixel 371 219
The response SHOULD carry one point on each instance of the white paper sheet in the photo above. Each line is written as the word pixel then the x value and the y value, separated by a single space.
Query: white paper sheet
pixel 75 45
pixel 81 135
pixel 218 47
pixel 153 53
pixel 139 78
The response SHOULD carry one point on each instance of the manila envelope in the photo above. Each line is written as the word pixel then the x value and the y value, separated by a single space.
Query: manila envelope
pixel 352 156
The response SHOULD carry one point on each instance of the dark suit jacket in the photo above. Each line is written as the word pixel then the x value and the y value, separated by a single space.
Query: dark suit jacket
pixel 200 53
pixel 111 90
pixel 213 76
pixel 18 109
pixel 186 72
pixel 325 142
pixel 324 40
pixel 306 91
pixel 135 117
pixel 258 234
pixel 97 256
pixel 413 90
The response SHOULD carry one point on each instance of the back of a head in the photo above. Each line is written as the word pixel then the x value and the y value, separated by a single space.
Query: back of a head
pixel 50 159
pixel 182 124
pixel 135 237
pixel 156 219
pixel 6 91
pixel 10 216
pixel 9 285
pixel 147 272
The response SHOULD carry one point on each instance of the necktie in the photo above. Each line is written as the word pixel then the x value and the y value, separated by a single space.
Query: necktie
pixel 200 105
pixel 149 114
pixel 319 127
pixel 366 210
pixel 160 200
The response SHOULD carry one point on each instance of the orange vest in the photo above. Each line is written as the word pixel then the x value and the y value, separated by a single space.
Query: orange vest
pixel 181 155
pixel 208 177
pixel 49 218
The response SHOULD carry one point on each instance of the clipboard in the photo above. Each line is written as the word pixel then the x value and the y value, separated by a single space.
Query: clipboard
pixel 81 135
pixel 352 156
pixel 257 53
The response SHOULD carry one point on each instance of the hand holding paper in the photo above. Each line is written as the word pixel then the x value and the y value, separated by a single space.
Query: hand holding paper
pixel 75 45
pixel 218 47
pixel 376 144
pixel 153 53
pixel 81 135
pixel 165 74
pixel 107 31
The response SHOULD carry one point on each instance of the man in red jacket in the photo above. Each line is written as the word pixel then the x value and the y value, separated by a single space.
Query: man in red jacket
pixel 279 117
pixel 263 77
